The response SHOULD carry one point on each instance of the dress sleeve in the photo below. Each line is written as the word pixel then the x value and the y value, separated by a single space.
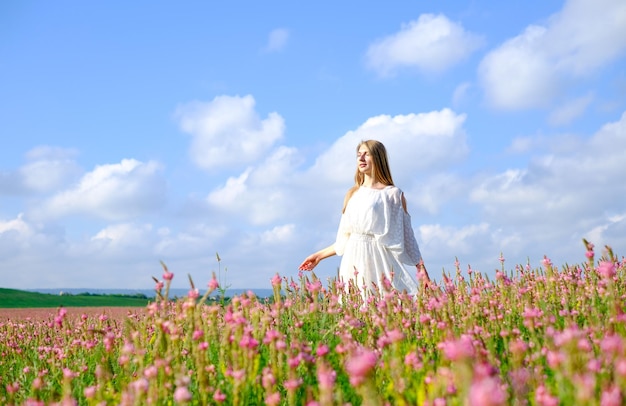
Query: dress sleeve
pixel 398 235
pixel 411 249
pixel 343 233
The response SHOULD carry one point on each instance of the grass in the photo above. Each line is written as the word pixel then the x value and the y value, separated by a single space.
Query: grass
pixel 14 299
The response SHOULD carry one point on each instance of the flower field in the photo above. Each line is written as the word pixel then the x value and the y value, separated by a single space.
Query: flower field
pixel 531 336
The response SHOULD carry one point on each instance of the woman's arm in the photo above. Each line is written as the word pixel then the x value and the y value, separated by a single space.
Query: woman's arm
pixel 312 260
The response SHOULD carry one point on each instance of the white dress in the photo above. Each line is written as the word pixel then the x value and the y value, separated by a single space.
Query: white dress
pixel 375 237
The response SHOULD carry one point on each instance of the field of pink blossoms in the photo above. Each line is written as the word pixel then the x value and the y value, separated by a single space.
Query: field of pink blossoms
pixel 551 335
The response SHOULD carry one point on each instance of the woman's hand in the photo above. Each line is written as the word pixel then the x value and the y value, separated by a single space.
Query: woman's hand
pixel 310 262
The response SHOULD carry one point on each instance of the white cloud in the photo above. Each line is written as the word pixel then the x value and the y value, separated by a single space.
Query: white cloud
pixel 561 192
pixel 48 175
pixel 228 131
pixel 111 191
pixel 278 235
pixel 48 168
pixel 50 152
pixel 260 194
pixel 121 234
pixel 452 239
pixel 430 194
pixel 416 144
pixel 460 93
pixel 610 231
pixel 17 225
pixel 558 143
pixel 532 69
pixel 277 40
pixel 432 43
pixel 568 112
pixel 194 241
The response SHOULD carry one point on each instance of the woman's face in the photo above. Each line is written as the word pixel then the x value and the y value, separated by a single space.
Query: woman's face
pixel 364 160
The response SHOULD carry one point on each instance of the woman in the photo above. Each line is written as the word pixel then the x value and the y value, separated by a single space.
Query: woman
pixel 375 235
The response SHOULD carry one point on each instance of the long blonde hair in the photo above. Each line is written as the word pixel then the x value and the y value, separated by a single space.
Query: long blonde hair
pixel 380 168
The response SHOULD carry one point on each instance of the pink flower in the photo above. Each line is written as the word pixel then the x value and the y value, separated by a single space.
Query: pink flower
pixel 33 402
pixel 182 394
pixel 159 286
pixel 322 350
pixel 58 320
pixel 13 387
pixel 37 383
pixel 68 373
pixel 150 372
pixel 518 347
pixel 193 294
pixel 276 280
pixel 411 359
pixel 546 262
pixel 314 287
pixel 218 396
pixel 456 350
pixel 167 275
pixel 141 385
pixel 239 375
pixel 326 377
pixel 90 392
pixel 213 284
pixel 612 343
pixel 487 392
pixel 611 397
pixel 606 269
pixel 360 364
pixel 292 384
pixel 543 397
pixel 620 367
pixel 268 380
pixel 395 335
pixel 554 358
pixel 272 399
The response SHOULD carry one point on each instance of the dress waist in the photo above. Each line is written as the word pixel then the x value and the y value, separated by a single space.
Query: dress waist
pixel 362 236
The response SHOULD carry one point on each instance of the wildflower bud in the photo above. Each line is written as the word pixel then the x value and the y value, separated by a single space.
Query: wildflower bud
pixel 193 294
pixel 322 350
pixel 90 392
pixel 213 284
pixel 272 399
pixel 276 280
pixel 606 269
pixel 486 392
pixel 150 372
pixel 182 394
pixel 37 383
pixel 456 350
pixel 360 365
pixel 326 377
pixel 218 396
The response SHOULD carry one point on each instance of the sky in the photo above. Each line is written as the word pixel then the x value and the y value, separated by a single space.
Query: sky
pixel 221 136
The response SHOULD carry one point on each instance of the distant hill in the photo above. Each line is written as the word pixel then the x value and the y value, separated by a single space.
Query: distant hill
pixel 13 298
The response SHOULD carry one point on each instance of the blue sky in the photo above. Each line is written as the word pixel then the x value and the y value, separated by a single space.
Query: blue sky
pixel 135 132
